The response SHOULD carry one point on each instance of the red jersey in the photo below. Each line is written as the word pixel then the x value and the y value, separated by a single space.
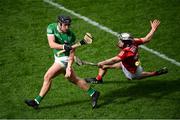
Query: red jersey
pixel 129 55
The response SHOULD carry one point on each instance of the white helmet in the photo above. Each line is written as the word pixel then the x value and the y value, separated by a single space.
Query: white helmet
pixel 125 37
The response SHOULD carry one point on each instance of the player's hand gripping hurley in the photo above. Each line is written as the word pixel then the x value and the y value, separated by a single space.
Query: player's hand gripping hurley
pixel 87 40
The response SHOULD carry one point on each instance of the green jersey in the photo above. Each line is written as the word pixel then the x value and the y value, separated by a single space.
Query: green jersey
pixel 61 38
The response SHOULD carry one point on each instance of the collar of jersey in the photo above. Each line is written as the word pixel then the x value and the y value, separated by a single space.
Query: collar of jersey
pixel 59 29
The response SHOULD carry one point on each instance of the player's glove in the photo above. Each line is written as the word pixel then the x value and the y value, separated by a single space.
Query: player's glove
pixel 67 47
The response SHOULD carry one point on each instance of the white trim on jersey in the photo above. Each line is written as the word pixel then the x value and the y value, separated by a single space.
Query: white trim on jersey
pixel 58 29
pixel 50 34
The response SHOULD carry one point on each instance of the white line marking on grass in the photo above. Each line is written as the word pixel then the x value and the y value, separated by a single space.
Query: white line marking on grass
pixel 110 31
pixel 163 56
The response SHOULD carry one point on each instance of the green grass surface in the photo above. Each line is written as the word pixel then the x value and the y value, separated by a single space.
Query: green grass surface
pixel 25 56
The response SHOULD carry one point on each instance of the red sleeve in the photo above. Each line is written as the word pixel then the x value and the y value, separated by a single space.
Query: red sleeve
pixel 139 41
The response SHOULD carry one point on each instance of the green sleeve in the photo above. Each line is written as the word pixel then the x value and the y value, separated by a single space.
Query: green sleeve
pixel 50 29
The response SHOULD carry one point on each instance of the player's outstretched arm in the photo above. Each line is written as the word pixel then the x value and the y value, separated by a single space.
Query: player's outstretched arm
pixel 154 25
pixel 109 61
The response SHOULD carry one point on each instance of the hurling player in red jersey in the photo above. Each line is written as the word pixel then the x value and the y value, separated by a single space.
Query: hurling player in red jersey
pixel 128 58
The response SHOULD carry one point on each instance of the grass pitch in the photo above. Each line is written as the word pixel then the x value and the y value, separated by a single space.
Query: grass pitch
pixel 25 56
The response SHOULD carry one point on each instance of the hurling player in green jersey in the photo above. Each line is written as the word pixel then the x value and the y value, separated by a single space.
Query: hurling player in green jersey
pixel 60 37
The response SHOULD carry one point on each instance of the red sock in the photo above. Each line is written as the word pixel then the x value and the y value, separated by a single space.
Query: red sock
pixel 99 77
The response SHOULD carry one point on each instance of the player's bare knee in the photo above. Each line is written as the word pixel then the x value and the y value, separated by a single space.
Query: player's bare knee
pixel 47 77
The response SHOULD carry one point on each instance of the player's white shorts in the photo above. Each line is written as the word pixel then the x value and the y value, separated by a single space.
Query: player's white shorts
pixel 62 61
pixel 131 76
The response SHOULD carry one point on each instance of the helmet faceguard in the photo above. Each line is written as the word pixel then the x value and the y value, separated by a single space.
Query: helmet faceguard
pixel 64 19
pixel 126 38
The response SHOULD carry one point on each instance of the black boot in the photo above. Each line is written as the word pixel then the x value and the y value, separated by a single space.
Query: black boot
pixel 163 70
pixel 95 97
pixel 32 103
pixel 93 80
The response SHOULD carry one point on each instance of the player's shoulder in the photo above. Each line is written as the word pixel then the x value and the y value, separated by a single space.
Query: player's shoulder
pixel 51 28
pixel 52 25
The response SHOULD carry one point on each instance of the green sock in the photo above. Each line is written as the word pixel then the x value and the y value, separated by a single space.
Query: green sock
pixel 91 91
pixel 38 99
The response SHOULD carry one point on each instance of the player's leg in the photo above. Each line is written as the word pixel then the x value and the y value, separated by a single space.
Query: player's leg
pixel 76 80
pixel 102 71
pixel 98 78
pixel 83 85
pixel 163 70
pixel 147 74
pixel 53 71
pixel 140 74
